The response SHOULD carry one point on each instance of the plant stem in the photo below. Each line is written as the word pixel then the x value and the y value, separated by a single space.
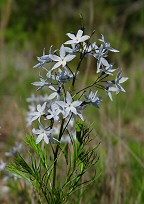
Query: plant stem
pixel 91 85
pixel 56 154
pixel 74 78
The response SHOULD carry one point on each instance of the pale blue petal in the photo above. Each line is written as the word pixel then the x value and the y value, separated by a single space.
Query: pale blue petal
pixel 79 33
pixel 84 38
pixel 44 57
pixel 38 83
pixel 68 98
pixel 54 57
pixel 110 95
pixel 76 103
pixel 104 62
pixel 49 117
pixel 36 131
pixel 61 103
pixel 113 89
pixel 113 50
pixel 46 139
pixel 57 65
pixel 39 107
pixel 63 63
pixel 62 52
pixel 123 79
pixel 39 139
pixel 70 35
pixel 69 57
pixel 67 112
pixel 51 96
pixel 70 42
pixel 68 49
pixel 52 88
pixel 44 106
pixel 122 89
pixel 80 115
pixel 73 110
pixel 39 65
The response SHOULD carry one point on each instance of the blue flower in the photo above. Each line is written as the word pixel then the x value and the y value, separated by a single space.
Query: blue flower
pixel 62 59
pixel 70 106
pixel 78 38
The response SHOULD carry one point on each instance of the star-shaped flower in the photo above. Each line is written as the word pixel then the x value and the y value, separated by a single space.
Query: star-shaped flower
pixel 42 133
pixel 107 69
pixel 78 38
pixel 40 112
pixel 56 93
pixel 107 45
pixel 118 81
pixel 43 82
pixel 70 106
pixel 62 59
pixel 54 112
pixel 63 76
pixel 93 99
pixel 44 58
pixel 109 89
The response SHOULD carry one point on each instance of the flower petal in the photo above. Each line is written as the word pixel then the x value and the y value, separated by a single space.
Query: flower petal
pixel 40 137
pixel 62 51
pixel 110 95
pixel 80 115
pixel 58 64
pixel 39 107
pixel 66 113
pixel 52 88
pixel 70 42
pixel 73 109
pixel 70 35
pixel 123 79
pixel 68 98
pixel 79 33
pixel 113 89
pixel 76 103
pixel 46 139
pixel 61 103
pixel 51 96
pixel 38 83
pixel 49 117
pixel 104 62
pixel 36 131
pixel 69 57
pixel 54 57
pixel 84 38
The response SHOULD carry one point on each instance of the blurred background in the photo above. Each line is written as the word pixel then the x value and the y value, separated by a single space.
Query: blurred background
pixel 26 27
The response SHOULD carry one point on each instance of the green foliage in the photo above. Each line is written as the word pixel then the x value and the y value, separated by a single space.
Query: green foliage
pixel 40 168
pixel 137 173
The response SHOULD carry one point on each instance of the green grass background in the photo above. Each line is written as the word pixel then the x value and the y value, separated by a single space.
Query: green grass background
pixel 26 28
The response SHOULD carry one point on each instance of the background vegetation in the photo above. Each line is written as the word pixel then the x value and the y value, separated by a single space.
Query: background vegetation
pixel 26 27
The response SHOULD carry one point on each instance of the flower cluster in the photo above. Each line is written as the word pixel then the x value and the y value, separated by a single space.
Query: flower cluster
pixel 56 112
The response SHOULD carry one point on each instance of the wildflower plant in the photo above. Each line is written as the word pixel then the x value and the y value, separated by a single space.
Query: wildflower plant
pixel 59 134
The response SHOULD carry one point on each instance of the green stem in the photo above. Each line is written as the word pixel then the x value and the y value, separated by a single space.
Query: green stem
pixel 91 85
pixel 74 78
pixel 56 154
